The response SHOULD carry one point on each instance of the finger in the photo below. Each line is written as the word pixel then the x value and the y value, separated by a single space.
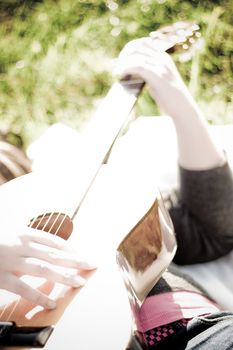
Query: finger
pixel 140 65
pixel 56 257
pixel 24 305
pixel 45 238
pixel 15 285
pixel 130 64
pixel 144 47
pixel 147 53
pixel 132 46
pixel 142 56
pixel 149 45
pixel 38 268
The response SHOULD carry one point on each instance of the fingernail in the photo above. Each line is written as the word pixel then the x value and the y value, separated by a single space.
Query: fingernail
pixel 51 304
pixel 87 266
pixel 78 281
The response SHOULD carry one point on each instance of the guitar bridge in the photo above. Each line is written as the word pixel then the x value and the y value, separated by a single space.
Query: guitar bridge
pixel 13 335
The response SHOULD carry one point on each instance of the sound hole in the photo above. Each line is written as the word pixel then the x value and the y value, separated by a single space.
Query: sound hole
pixel 55 223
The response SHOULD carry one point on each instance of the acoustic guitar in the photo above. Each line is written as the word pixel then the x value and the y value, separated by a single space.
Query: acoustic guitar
pixel 100 224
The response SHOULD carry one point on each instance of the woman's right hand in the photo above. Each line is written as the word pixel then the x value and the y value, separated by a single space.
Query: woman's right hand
pixel 37 253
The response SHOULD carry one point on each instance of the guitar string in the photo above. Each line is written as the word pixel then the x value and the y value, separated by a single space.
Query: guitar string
pixel 61 223
pixel 55 221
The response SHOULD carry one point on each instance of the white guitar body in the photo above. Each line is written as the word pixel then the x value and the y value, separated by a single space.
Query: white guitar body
pixel 97 314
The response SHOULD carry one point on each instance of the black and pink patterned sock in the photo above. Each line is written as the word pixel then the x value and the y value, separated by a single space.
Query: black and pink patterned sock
pixel 159 334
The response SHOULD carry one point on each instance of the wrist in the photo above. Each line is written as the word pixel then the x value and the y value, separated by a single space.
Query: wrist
pixel 178 104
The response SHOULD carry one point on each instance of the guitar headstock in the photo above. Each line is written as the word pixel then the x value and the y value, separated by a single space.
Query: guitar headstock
pixel 177 37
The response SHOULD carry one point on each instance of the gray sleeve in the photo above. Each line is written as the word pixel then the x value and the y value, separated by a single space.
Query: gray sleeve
pixel 203 215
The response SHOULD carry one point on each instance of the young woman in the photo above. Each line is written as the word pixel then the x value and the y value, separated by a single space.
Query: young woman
pixel 178 313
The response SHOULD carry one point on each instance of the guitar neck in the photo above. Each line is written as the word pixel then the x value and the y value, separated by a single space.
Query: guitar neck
pixel 117 105
pixel 104 128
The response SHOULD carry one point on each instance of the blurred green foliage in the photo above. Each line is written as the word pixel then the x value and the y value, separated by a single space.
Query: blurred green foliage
pixel 56 57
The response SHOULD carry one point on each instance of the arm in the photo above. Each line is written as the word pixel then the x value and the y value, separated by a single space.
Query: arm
pixel 203 216
pixel 142 57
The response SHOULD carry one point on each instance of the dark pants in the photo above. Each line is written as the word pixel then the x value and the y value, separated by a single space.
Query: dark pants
pixel 211 332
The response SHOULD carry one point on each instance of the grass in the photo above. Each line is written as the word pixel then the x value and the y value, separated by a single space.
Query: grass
pixel 56 58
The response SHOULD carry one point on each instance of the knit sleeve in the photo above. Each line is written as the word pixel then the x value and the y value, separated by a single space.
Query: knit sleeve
pixel 203 215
